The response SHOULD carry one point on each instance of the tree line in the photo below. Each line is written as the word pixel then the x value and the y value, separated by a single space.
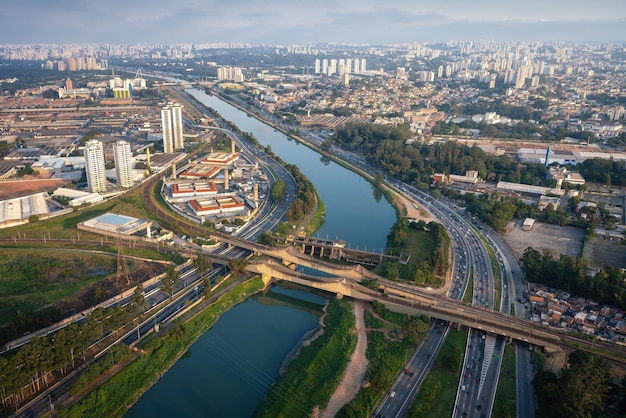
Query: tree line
pixel 607 286
pixel 583 388
pixel 36 365
pixel 385 146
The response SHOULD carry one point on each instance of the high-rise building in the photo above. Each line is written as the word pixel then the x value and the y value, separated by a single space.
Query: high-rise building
pixel 324 66
pixel 94 166
pixel 172 124
pixel 363 68
pixel 123 164
pixel 357 65
pixel 318 66
pixel 333 67
pixel 230 73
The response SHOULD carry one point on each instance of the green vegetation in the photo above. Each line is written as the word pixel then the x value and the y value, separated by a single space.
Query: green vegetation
pixel 497 276
pixel 583 388
pixel 385 147
pixel 314 374
pixel 115 396
pixel 609 172
pixel 506 394
pixel 427 245
pixel 36 365
pixel 436 397
pixel 386 355
pixel 30 280
pixel 317 220
pixel 114 355
pixel 277 191
pixel 570 274
pixel 468 297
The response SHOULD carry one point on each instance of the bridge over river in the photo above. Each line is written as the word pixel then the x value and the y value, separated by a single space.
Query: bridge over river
pixel 408 299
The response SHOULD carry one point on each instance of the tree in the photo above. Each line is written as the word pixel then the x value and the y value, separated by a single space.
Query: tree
pixel 327 144
pixel 236 265
pixel 170 281
pixel 277 191
pixel 414 330
pixel 50 94
pixel 206 283
pixel 266 238
pixel 202 264
pixel 138 300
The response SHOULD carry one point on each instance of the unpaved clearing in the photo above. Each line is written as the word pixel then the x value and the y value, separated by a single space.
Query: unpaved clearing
pixel 355 371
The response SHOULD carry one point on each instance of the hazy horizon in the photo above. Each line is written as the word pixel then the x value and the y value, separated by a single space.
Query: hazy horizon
pixel 340 21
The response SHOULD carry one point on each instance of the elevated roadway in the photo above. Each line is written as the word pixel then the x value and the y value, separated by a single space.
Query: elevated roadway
pixel 407 299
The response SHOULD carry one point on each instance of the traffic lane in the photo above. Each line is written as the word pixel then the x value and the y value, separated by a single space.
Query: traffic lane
pixel 525 375
pixel 418 366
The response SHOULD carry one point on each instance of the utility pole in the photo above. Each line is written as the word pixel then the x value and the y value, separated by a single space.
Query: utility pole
pixel 122 266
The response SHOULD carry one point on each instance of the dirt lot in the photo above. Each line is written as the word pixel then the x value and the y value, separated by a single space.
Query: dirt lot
pixel 12 189
pixel 602 252
pixel 556 239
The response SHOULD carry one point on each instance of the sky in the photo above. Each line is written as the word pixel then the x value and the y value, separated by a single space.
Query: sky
pixel 313 21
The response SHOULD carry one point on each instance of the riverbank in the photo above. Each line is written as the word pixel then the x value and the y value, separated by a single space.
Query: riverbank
pixel 120 392
pixel 306 340
pixel 402 205
pixel 312 377
pixel 354 374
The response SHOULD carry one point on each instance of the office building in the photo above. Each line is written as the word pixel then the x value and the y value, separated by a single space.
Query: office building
pixel 172 125
pixel 123 164
pixel 94 166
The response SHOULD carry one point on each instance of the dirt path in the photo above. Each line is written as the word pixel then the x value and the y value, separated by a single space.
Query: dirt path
pixel 355 371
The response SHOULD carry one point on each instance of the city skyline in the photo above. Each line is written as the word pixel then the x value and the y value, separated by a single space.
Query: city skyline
pixel 348 21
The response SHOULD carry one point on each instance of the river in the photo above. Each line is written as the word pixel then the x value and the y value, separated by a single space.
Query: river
pixel 352 212
pixel 230 369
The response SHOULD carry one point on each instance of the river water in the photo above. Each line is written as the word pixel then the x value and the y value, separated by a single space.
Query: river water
pixel 231 368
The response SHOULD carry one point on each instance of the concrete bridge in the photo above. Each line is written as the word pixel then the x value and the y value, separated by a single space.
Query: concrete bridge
pixel 336 250
pixel 404 299
pixel 415 301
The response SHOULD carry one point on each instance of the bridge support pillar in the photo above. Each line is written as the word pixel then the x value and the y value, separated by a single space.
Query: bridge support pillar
pixel 339 295
pixel 266 278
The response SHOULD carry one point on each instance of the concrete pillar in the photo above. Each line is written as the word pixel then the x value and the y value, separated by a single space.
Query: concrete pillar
pixel 232 146
pixel 174 171
pixel 226 182
pixel 266 278
pixel 256 193
pixel 148 232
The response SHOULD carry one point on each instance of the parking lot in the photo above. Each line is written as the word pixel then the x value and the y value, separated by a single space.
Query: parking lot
pixel 555 239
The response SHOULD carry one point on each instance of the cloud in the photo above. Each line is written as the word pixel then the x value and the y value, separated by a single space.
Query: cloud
pixel 285 21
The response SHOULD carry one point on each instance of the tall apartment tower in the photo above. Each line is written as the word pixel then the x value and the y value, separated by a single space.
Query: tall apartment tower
pixel 172 123
pixel 363 65
pixel 123 164
pixel 94 166
pixel 318 66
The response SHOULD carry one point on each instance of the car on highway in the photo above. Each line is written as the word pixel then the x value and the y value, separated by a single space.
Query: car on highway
pixel 392 394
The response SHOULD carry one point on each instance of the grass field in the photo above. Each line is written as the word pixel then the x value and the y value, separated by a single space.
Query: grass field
pixel 438 392
pixel 30 280
pixel 504 404
pixel 419 246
